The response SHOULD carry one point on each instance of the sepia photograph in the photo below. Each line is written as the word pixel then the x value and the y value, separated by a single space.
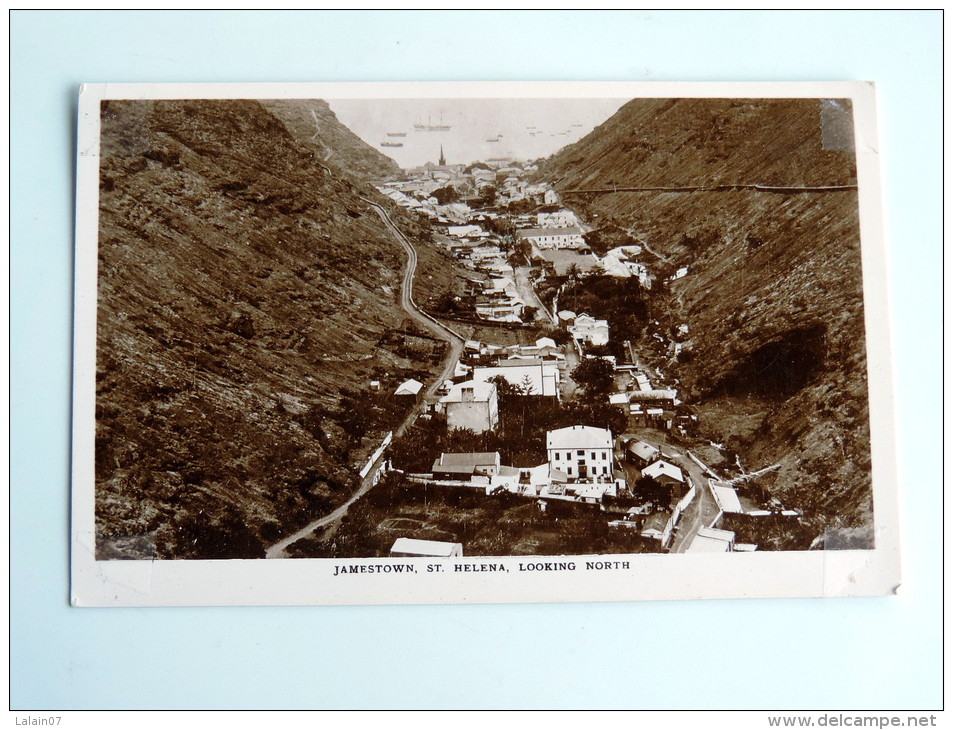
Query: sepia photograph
pixel 409 330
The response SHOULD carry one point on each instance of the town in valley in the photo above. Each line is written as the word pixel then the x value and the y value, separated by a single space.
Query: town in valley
pixel 553 362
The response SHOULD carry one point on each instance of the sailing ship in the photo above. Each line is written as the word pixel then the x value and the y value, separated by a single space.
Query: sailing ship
pixel 428 127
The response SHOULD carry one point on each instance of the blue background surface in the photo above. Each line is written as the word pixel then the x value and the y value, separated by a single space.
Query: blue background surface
pixel 877 653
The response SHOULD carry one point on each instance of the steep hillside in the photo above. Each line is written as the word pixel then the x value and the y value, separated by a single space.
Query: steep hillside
pixel 243 291
pixel 772 296
pixel 313 124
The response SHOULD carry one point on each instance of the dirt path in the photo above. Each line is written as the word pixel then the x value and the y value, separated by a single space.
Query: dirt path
pixel 278 550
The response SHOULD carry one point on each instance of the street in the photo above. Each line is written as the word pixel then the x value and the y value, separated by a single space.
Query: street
pixel 456 350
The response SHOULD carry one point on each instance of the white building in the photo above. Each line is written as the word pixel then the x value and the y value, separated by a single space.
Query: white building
pixel 540 375
pixel 664 473
pixel 409 387
pixel 559 219
pixel 465 231
pixel 712 540
pixel 582 452
pixel 589 329
pixel 545 238
pixel 471 405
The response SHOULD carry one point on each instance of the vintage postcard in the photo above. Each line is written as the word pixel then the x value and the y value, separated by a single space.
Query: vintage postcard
pixel 480 342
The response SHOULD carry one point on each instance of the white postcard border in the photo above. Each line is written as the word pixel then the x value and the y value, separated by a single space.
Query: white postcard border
pixel 480 579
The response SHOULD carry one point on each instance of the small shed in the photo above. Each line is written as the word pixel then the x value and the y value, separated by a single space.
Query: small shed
pixel 409 387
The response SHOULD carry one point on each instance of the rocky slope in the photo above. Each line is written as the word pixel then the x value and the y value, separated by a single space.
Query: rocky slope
pixel 312 123
pixel 244 289
pixel 772 297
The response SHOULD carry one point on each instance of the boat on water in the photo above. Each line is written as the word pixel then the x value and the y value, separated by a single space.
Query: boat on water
pixel 392 144
pixel 493 139
pixel 429 127
pixel 397 134
pixel 575 125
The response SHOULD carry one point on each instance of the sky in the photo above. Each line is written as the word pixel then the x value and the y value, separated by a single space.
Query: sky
pixel 556 123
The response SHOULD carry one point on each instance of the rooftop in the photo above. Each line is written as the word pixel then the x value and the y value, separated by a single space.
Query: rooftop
pixel 725 496
pixel 579 437
pixel 480 392
pixel 533 232
pixel 409 387
pixel 663 468
pixel 431 548
pixel 643 450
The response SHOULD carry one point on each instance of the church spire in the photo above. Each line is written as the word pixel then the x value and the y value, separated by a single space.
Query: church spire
pixel 443 160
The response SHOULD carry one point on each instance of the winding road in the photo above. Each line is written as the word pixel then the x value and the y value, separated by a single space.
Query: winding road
pixel 455 340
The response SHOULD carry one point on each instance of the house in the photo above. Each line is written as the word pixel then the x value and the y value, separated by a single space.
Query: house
pixel 465 231
pixel 544 238
pixel 712 540
pixel 409 387
pixel 543 476
pixel 499 309
pixel 589 329
pixel 541 376
pixel 657 398
pixel 405 547
pixel 471 405
pixel 561 261
pixel 658 526
pixel 559 219
pixel 582 452
pixel 507 477
pixel 550 197
pixel 664 473
pixel 466 465
pixel 641 453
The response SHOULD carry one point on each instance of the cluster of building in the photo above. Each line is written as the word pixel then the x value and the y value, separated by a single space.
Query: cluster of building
pixel 501 180
pixel 580 468
pixel 473 402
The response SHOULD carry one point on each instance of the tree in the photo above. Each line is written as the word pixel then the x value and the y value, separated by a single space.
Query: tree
pixel 446 195
pixel 503 387
pixel 525 387
pixel 487 196
pixel 595 376
pixel 657 494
